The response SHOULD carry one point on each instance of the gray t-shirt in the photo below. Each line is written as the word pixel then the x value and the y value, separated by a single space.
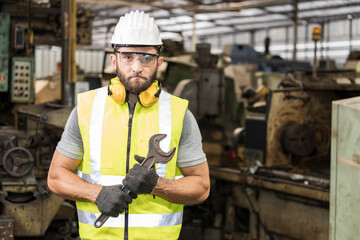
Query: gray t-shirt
pixel 190 152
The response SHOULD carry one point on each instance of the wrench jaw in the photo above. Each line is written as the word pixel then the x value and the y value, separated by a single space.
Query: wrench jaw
pixel 156 154
pixel 171 153
pixel 155 144
pixel 151 160
pixel 154 141
pixel 157 137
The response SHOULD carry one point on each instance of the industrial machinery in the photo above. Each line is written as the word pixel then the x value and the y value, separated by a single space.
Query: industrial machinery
pixel 275 183
pixel 280 188
pixel 278 184
pixel 28 208
pixel 206 79
pixel 245 54
pixel 211 100
pixel 29 133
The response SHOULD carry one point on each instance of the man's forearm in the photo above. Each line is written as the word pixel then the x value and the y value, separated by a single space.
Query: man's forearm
pixel 73 188
pixel 186 190
pixel 63 181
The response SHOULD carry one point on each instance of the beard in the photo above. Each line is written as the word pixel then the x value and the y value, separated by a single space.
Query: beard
pixel 136 87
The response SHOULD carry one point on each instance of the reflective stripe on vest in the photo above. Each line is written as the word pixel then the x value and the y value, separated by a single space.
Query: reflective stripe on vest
pixel 97 116
pixel 108 180
pixel 165 126
pixel 135 220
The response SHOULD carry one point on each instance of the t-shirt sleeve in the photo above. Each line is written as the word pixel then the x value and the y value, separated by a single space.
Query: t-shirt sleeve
pixel 71 144
pixel 190 146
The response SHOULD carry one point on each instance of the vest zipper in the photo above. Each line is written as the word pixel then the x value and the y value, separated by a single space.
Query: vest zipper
pixel 131 114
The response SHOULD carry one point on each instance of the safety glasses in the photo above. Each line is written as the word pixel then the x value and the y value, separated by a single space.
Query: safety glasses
pixel 146 59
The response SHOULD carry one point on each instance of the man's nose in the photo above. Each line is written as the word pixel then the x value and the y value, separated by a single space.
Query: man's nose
pixel 137 67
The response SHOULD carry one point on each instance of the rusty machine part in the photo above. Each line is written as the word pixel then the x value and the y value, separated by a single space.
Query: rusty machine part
pixel 18 161
pixel 298 139
pixel 7 229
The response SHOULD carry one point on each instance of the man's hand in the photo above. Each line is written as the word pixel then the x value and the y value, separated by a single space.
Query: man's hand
pixel 141 180
pixel 112 200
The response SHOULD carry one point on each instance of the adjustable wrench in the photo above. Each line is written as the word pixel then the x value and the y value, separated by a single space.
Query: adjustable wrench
pixel 155 155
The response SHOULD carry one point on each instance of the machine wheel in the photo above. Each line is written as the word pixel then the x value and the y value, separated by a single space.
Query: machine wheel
pixel 17 161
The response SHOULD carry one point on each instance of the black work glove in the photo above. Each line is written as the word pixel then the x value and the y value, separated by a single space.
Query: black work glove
pixel 141 180
pixel 112 200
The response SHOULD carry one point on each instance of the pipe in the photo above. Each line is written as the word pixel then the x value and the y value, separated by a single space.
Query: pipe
pixel 314 73
pixel 295 17
pixel 193 39
pixel 68 74
pixel 308 180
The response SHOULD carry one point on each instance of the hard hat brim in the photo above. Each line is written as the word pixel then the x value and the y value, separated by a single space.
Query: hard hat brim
pixel 134 45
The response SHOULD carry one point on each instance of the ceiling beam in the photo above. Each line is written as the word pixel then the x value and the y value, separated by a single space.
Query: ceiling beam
pixel 196 8
pixel 264 27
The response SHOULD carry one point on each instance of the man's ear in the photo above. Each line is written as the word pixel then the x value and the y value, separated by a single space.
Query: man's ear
pixel 160 61
pixel 113 60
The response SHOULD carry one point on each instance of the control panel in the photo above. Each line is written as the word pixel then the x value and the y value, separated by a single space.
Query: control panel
pixel 22 87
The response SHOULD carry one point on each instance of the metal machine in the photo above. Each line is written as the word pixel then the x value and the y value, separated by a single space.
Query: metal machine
pixel 206 80
pixel 28 208
pixel 280 188
pixel 29 133
pixel 245 54
pixel 344 195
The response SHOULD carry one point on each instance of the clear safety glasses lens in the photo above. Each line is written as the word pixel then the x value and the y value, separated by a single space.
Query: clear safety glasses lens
pixel 146 59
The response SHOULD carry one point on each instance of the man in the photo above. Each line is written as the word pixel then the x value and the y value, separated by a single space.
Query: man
pixel 110 127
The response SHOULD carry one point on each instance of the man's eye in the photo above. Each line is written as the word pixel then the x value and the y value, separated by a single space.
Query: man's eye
pixel 147 58
pixel 127 57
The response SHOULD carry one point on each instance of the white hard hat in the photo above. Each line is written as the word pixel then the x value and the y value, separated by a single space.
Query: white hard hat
pixel 136 29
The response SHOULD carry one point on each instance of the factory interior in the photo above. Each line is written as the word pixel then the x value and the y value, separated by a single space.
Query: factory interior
pixel 274 86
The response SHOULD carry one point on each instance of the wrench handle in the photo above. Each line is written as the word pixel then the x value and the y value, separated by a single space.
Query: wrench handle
pixel 103 218
pixel 125 190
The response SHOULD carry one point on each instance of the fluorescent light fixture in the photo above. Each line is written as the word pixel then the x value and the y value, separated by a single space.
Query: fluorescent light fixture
pixel 213 16
pixel 189 26
pixel 250 12
pixel 249 20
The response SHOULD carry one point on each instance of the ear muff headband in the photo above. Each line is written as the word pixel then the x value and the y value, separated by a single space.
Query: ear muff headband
pixel 146 98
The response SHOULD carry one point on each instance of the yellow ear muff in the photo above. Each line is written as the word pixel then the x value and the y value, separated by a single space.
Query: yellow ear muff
pixel 150 96
pixel 117 91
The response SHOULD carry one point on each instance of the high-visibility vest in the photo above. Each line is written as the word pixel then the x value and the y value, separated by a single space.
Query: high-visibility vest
pixel 105 131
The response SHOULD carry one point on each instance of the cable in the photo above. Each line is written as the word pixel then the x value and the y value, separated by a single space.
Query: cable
pixel 243 186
